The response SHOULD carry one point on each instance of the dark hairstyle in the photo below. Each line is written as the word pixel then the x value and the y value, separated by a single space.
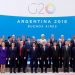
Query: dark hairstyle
pixel 28 37
pixel 9 37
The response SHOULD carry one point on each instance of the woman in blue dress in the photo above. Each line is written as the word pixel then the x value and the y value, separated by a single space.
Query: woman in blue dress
pixel 3 57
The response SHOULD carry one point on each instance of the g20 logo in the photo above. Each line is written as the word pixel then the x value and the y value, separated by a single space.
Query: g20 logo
pixel 41 8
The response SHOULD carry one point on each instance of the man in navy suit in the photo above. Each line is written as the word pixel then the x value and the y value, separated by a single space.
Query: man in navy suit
pixel 60 45
pixel 34 57
pixel 55 56
pixel 63 40
pixel 73 58
pixel 52 40
pixel 70 46
pixel 28 46
pixel 44 57
pixel 49 45
pixel 23 39
pixel 12 57
pixel 66 54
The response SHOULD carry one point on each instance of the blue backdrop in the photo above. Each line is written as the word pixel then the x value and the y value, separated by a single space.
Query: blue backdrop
pixel 9 26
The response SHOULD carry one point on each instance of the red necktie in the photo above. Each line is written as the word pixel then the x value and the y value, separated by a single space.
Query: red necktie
pixel 20 51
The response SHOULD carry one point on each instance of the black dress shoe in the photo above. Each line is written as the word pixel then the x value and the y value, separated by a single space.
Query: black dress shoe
pixel 45 71
pixel 35 71
pixel 14 72
pixel 41 71
pixel 10 72
pixel 56 71
pixel 24 71
pixel 53 71
pixel 31 71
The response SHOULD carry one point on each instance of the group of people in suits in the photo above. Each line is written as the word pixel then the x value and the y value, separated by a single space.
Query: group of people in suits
pixel 19 51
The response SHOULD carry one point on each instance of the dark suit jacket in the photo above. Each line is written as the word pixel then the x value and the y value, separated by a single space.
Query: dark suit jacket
pixel 28 46
pixel 73 44
pixel 66 53
pixel 52 41
pixel 44 54
pixel 60 49
pixel 73 53
pixel 39 49
pixel 12 53
pixel 7 44
pixel 49 50
pixel 33 53
pixel 24 52
pixel 55 53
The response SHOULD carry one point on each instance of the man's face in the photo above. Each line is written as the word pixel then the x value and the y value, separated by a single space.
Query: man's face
pixel 49 41
pixel 28 39
pixel 34 45
pixel 18 38
pixel 74 37
pixel 13 37
pixel 13 44
pixel 44 43
pixel 54 43
pixel 59 41
pixel 62 37
pixel 66 43
pixel 33 39
pixel 52 36
pixel 69 41
pixel 21 43
pixel 42 37
pixel 23 37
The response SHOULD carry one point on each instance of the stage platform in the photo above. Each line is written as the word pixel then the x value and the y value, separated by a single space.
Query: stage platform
pixel 29 73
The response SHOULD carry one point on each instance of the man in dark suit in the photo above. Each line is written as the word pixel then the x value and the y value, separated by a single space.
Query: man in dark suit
pixel 52 40
pixel 13 57
pixel 34 57
pixel 23 39
pixel 22 57
pixel 38 45
pixel 33 40
pixel 63 40
pixel 60 50
pixel 49 45
pixel 73 58
pixel 66 56
pixel 8 45
pixel 28 46
pixel 73 41
pixel 70 46
pixel 44 57
pixel 55 56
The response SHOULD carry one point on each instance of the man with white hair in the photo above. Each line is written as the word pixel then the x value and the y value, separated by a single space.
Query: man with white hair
pixel 33 40
pixel 44 57
pixel 63 40
pixel 43 39
pixel 60 50
pixel 70 46
pixel 13 38
pixel 66 54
